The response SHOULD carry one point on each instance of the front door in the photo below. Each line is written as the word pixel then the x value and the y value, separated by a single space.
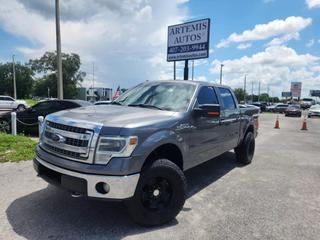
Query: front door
pixel 204 137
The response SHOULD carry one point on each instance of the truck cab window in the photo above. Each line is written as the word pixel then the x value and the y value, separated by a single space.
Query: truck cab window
pixel 227 99
pixel 207 95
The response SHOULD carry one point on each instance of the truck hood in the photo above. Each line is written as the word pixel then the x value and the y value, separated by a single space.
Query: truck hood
pixel 116 116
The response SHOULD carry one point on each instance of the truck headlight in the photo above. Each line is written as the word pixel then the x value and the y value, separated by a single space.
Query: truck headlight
pixel 109 147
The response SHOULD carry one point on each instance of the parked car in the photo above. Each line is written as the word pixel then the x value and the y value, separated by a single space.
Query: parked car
pixel 307 103
pixel 27 120
pixel 293 110
pixel 314 111
pixel 270 108
pixel 280 108
pixel 106 102
pixel 137 148
pixel 262 106
pixel 9 103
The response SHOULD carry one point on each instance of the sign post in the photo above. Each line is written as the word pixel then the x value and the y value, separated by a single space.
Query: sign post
pixel 188 41
pixel 296 89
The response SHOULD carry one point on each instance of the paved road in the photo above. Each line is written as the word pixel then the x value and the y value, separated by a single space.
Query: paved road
pixel 276 197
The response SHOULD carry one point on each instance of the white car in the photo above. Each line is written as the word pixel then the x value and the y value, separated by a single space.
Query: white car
pixel 9 103
pixel 314 111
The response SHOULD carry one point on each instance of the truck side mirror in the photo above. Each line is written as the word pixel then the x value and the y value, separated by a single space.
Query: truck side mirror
pixel 208 110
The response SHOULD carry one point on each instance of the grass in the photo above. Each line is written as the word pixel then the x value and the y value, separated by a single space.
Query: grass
pixel 31 102
pixel 16 148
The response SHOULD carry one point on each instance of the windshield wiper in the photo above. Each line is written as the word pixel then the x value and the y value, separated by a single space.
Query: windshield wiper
pixel 145 106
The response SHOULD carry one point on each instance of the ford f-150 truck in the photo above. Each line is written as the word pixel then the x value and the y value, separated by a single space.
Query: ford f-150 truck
pixel 137 148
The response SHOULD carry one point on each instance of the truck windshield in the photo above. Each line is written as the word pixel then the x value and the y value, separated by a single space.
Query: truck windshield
pixel 163 96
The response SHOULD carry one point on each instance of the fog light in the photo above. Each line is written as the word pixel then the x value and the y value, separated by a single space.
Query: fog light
pixel 102 187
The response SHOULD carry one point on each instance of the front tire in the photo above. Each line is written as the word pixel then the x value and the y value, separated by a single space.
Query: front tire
pixel 245 151
pixel 160 194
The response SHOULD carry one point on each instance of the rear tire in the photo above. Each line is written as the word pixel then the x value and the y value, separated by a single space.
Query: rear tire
pixel 245 151
pixel 4 126
pixel 160 194
pixel 21 108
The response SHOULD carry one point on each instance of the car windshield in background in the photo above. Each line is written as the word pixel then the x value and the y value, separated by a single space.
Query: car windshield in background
pixel 163 96
pixel 315 107
pixel 294 107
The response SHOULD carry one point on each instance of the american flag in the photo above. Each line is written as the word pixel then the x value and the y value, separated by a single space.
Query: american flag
pixel 117 93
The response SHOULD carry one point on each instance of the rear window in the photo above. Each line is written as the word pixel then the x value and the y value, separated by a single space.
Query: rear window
pixel 227 99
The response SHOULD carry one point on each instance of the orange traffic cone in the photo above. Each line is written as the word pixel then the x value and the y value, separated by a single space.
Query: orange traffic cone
pixel 277 125
pixel 304 124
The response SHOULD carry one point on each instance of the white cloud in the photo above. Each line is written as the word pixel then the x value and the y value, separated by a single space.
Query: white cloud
pixel 276 66
pixel 201 78
pixel 243 46
pixel 283 39
pixel 310 43
pixel 182 1
pixel 313 3
pixel 126 40
pixel 290 25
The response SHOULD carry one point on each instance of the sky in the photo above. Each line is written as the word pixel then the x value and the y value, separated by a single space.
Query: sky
pixel 274 42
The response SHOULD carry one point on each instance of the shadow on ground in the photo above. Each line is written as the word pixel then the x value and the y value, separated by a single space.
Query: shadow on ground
pixel 52 214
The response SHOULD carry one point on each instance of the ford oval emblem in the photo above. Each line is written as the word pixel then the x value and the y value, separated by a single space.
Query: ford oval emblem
pixel 58 138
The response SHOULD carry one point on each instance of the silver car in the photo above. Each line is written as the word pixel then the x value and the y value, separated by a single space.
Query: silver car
pixel 314 111
pixel 9 103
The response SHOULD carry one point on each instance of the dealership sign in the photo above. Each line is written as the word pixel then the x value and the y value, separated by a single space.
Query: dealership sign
pixel 296 89
pixel 286 94
pixel 315 93
pixel 188 40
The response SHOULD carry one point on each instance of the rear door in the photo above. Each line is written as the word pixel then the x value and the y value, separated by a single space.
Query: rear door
pixel 230 119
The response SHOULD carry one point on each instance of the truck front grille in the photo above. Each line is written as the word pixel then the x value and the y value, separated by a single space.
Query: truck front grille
pixel 71 142
pixel 66 127
pixel 62 151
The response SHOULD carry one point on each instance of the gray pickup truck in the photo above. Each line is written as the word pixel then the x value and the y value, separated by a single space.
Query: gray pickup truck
pixel 137 148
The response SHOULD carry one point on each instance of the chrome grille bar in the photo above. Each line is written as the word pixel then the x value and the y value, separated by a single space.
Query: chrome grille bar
pixel 69 139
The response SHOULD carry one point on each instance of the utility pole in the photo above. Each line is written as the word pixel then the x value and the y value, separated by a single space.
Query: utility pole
pixel 252 92
pixel 48 92
pixel 59 61
pixel 221 66
pixel 268 93
pixel 14 78
pixel 244 88
pixel 259 92
pixel 174 70
pixel 93 75
pixel 192 69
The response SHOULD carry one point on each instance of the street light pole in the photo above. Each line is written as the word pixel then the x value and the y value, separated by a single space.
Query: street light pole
pixel 14 78
pixel 221 66
pixel 59 61
pixel 244 88
pixel 259 91
pixel 252 92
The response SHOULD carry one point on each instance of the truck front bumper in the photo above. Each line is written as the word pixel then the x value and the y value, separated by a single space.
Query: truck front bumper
pixel 91 185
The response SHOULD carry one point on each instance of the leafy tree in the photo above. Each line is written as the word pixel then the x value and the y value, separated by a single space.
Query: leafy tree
pixel 46 66
pixel 240 94
pixel 24 80
pixel 264 97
